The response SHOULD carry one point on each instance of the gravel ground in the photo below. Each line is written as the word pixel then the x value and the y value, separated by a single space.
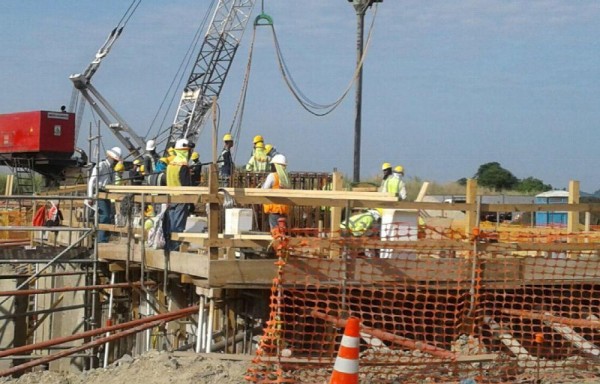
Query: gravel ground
pixel 150 368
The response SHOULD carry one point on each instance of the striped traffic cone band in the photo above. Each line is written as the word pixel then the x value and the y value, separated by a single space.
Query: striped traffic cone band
pixel 345 369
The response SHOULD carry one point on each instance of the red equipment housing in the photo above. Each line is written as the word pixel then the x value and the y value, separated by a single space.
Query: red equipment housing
pixel 37 132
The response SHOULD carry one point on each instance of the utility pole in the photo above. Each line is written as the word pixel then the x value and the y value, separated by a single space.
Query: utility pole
pixel 360 6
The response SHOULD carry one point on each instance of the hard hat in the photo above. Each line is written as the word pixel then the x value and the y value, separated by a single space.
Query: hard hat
pixel 142 169
pixel 399 169
pixel 149 210
pixel 279 159
pixel 268 148
pixel 115 153
pixel 195 156
pixel 227 137
pixel 164 160
pixel 182 144
pixel 150 145
pixel 137 162
pixel 260 144
pixel 257 139
pixel 171 151
pixel 375 212
pixel 119 167
pixel 385 166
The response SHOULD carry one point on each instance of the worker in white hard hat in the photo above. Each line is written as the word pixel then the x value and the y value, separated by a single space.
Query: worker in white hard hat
pixel 277 179
pixel 178 175
pixel 150 158
pixel 225 161
pixel 103 174
pixel 259 161
pixel 395 185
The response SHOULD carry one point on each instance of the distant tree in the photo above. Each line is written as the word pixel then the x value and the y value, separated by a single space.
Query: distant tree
pixel 492 175
pixel 531 184
pixel 462 181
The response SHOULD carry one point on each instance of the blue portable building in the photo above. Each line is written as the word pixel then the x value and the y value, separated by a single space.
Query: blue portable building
pixel 545 218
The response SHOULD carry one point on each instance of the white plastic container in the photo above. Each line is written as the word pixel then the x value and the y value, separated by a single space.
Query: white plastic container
pixel 237 220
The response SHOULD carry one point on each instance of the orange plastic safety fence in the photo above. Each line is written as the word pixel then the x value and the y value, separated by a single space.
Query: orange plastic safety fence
pixel 435 308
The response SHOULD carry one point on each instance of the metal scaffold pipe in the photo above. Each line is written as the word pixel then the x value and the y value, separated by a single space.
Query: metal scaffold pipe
pixel 94 332
pixel 92 344
pixel 23 292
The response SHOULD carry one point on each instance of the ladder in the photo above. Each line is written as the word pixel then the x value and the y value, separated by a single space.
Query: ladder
pixel 24 176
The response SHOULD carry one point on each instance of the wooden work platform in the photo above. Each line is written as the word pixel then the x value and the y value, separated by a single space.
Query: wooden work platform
pixel 444 273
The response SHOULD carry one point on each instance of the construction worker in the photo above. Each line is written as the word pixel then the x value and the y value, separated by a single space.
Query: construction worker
pixel 136 174
pixel 195 169
pixel 159 178
pixel 171 154
pixel 225 161
pixel 150 159
pixel 119 169
pixel 364 223
pixel 394 185
pixel 102 175
pixel 270 151
pixel 387 172
pixel 178 175
pixel 259 161
pixel 277 179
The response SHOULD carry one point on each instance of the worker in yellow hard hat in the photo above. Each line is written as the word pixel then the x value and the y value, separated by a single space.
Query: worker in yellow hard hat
pixel 271 151
pixel 225 161
pixel 386 168
pixel 259 161
pixel 195 169
pixel 136 176
pixel 171 154
pixel 258 139
pixel 119 169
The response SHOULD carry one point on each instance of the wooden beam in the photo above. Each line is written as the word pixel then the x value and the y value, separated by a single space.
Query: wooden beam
pixel 573 217
pixel 471 214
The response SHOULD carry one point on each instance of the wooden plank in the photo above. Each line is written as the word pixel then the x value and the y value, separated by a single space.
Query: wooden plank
pixel 573 217
pixel 188 263
pixel 471 214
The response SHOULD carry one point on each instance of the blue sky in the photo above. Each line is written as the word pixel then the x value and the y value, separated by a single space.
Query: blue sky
pixel 448 85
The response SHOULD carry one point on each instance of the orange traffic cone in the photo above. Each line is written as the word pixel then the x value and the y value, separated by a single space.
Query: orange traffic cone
pixel 345 369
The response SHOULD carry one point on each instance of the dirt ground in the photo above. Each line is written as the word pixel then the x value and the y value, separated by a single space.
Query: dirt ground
pixel 150 368
pixel 189 367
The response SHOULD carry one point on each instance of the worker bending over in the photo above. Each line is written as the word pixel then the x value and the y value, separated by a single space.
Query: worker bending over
pixel 277 179
pixel 364 223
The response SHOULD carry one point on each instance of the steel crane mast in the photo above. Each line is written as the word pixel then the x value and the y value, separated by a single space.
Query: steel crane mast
pixel 82 82
pixel 211 67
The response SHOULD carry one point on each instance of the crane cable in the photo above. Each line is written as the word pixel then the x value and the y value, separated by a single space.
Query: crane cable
pixel 304 101
pixel 178 79
pixel 238 116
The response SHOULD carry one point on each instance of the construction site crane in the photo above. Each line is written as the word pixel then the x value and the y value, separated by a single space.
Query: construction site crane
pixel 117 125
pixel 211 68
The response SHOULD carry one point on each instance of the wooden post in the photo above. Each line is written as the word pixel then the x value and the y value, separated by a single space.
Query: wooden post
pixel 336 213
pixel 573 217
pixel 9 185
pixel 213 189
pixel 471 214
